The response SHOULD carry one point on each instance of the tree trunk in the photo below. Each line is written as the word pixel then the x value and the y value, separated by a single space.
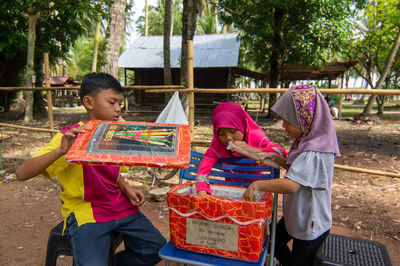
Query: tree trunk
pixel 276 58
pixel 167 34
pixel 172 17
pixel 146 18
pixel 33 16
pixel 39 105
pixel 116 26
pixel 96 43
pixel 188 28
pixel 380 102
pixel 380 99
pixel 216 19
pixel 166 50
pixel 388 66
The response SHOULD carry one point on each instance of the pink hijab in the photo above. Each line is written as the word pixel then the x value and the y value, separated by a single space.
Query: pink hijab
pixel 231 115
pixel 305 105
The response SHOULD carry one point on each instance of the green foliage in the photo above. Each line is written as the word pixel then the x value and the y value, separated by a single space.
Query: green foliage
pixel 336 98
pixel 375 32
pixel 156 19
pixel 79 58
pixel 60 23
pixel 206 23
pixel 291 31
pixel 13 41
pixel 372 209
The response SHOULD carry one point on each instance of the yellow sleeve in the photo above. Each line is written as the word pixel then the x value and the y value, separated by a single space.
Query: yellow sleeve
pixel 124 169
pixel 60 164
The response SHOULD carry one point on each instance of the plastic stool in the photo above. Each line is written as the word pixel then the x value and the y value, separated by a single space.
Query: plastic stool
pixel 59 245
pixel 343 250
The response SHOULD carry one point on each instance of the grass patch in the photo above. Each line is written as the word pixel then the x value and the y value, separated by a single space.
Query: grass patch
pixel 75 110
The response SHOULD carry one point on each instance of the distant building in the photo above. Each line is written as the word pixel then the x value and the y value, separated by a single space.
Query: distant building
pixel 63 81
pixel 62 98
pixel 215 62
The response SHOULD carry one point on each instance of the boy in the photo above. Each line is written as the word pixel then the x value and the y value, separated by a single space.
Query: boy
pixel 332 108
pixel 95 200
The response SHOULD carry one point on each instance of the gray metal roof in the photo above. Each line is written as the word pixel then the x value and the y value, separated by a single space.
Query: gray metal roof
pixel 214 50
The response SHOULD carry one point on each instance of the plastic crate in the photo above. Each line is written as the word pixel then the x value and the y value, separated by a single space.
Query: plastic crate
pixel 344 250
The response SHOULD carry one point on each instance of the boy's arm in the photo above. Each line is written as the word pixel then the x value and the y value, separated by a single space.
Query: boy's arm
pixel 37 165
pixel 281 186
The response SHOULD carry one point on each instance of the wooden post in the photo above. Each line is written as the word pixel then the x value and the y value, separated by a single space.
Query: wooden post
pixel 190 84
pixel 341 99
pixel 126 92
pixel 48 95
pixel 29 128
pixel 366 171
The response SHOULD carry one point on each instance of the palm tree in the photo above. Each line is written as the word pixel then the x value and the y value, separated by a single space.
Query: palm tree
pixel 167 34
pixel 207 23
pixel 156 19
pixel 116 29
pixel 33 16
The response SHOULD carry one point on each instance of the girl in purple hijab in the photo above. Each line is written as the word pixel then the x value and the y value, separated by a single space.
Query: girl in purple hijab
pixel 307 215
pixel 232 123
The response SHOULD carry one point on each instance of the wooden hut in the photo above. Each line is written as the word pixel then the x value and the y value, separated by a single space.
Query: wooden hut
pixel 215 62
pixel 63 98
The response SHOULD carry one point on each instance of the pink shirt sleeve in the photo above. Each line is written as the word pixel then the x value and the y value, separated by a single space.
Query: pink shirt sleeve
pixel 201 186
pixel 210 158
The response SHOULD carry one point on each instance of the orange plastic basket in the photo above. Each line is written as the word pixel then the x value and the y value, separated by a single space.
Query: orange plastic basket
pixel 226 227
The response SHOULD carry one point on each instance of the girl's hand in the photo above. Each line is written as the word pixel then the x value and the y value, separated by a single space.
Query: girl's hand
pixel 135 195
pixel 201 193
pixel 279 159
pixel 69 138
pixel 250 193
pixel 244 145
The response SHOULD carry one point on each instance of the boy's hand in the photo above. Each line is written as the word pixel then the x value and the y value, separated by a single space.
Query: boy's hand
pixel 69 137
pixel 250 193
pixel 135 195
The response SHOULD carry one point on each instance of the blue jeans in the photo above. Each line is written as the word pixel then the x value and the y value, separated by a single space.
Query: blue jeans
pixel 90 242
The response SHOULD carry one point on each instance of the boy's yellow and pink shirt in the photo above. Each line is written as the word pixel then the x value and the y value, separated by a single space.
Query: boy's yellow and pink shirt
pixel 90 192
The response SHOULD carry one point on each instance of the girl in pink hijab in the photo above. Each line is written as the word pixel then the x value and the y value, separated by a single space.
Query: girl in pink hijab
pixel 232 123
pixel 307 215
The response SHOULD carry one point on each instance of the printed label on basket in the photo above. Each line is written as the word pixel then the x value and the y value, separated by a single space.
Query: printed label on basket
pixel 212 234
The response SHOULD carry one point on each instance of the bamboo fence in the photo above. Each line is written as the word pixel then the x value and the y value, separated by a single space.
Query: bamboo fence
pixel 191 92
pixel 279 90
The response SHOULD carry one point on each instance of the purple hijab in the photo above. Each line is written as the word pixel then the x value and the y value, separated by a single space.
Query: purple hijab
pixel 305 107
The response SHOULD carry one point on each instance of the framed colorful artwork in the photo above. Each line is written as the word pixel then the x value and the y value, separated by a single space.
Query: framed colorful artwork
pixel 132 144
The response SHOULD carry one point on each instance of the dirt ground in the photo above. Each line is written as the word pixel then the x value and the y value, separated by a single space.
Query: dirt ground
pixel 364 206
